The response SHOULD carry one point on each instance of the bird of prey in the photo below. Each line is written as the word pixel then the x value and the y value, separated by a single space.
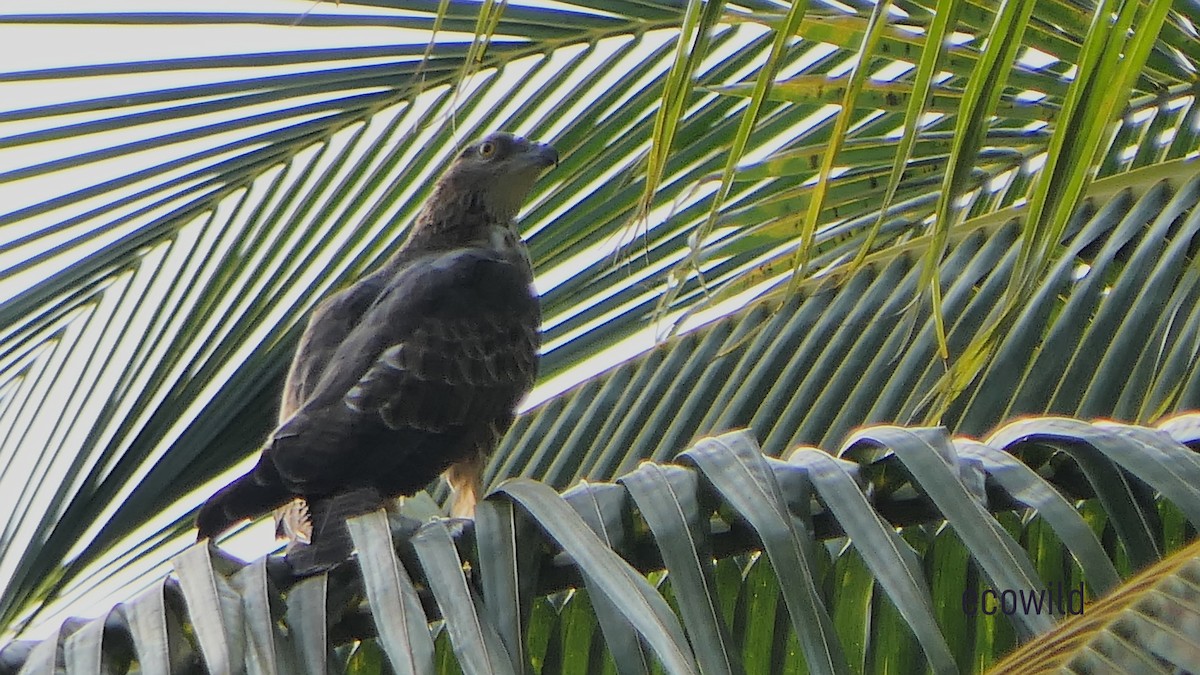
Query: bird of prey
pixel 414 370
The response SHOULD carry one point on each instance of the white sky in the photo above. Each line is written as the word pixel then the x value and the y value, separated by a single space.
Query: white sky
pixel 24 48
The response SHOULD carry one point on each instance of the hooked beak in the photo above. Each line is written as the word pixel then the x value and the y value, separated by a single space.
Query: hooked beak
pixel 545 153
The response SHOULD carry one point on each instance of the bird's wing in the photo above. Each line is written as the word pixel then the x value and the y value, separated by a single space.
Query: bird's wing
pixel 435 365
pixel 330 323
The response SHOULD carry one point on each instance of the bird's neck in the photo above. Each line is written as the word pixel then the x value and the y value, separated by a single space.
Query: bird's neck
pixel 484 233
pixel 452 219
pixel 446 224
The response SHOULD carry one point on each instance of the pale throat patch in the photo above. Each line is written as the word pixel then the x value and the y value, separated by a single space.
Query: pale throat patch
pixel 503 238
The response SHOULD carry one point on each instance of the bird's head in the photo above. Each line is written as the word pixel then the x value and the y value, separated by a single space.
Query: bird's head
pixel 497 172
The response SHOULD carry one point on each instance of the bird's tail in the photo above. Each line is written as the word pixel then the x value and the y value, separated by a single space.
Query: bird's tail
pixel 251 495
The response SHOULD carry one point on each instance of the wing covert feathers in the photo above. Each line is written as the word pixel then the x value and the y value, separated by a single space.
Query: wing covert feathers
pixel 428 376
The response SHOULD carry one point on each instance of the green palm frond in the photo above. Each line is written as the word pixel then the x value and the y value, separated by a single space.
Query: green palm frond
pixel 810 535
pixel 1111 331
pixel 169 220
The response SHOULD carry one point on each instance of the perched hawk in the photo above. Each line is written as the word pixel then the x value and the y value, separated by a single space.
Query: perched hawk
pixel 416 369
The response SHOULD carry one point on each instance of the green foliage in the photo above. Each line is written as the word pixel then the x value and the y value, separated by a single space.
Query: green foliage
pixel 997 219
pixel 783 564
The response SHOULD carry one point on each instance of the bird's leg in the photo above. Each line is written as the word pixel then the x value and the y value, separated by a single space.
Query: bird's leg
pixel 466 482
pixel 292 523
pixel 331 541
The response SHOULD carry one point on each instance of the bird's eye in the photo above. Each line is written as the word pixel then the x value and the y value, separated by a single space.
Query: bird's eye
pixel 487 149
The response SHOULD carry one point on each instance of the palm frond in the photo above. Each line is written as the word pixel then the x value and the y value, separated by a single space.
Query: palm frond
pixel 170 218
pixel 835 509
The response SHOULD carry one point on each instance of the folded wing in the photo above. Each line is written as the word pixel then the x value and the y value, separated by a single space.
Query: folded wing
pixel 427 377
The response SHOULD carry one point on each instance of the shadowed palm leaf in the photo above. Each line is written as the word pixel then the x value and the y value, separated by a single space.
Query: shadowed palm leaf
pixel 169 234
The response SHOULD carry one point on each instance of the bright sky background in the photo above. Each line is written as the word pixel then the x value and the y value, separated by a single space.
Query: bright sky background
pixel 26 48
